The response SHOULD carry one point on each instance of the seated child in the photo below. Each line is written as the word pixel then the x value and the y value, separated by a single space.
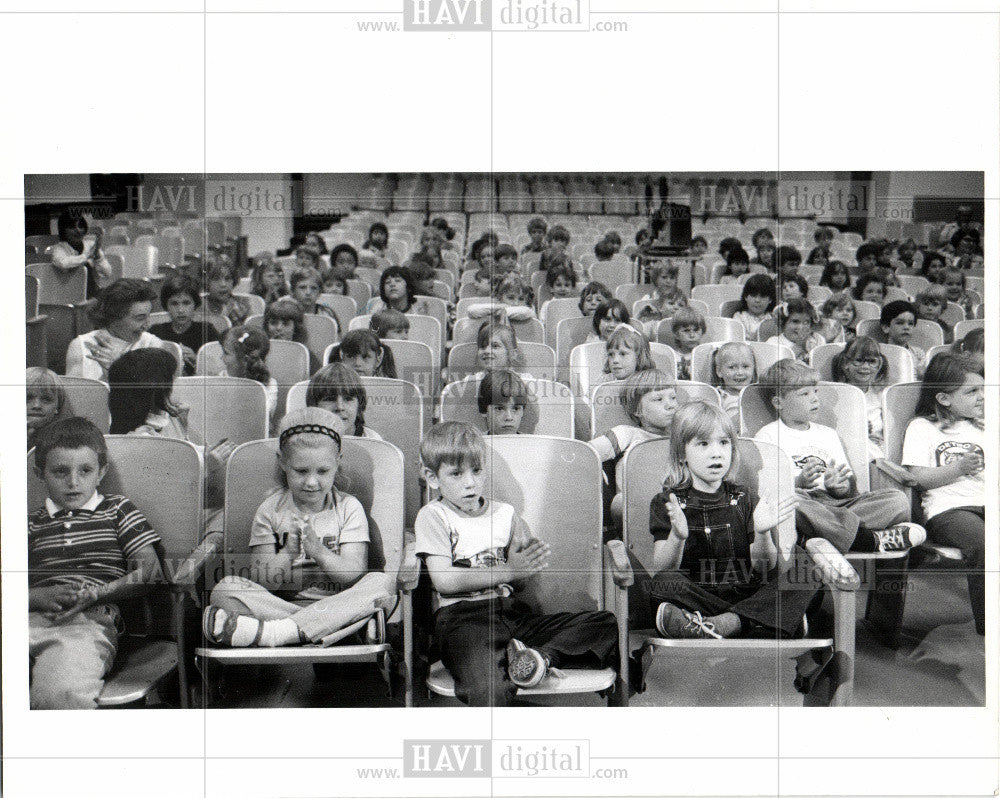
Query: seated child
pixel 716 585
pixel 477 552
pixel 737 265
pixel 268 278
pixel 309 542
pixel 606 319
pixel 862 364
pixel 501 399
pixel 344 258
pixel 378 238
pixel 284 321
pixel 614 238
pixel 244 354
pixel 219 299
pixel 944 452
pixel 484 282
pixel 74 590
pixel 733 369
pixel 422 276
pixel 592 296
pixel 45 397
pixel 628 351
pixel 561 279
pixel 496 349
pixel 763 244
pixel 933 267
pixel 788 260
pixel 837 316
pixel 306 257
pixel 797 319
pixel 688 327
pixel 364 351
pixel 335 279
pixel 306 287
pixel 870 287
pixel 668 303
pixel 699 246
pixel 829 505
pixel 537 228
pixel 930 304
pixel 794 286
pixel 650 399
pixel 337 388
pixel 973 346
pixel 898 320
pixel 395 291
pixel 180 298
pixel 558 238
pixel 756 303
pixel 953 281
pixel 820 254
pixel 664 277
pixel 513 295
pixel 836 277
pixel 389 323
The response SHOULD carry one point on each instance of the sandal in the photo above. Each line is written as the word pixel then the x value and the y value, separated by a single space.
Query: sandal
pixel 225 637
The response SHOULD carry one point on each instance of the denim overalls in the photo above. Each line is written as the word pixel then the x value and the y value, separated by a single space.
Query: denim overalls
pixel 720 531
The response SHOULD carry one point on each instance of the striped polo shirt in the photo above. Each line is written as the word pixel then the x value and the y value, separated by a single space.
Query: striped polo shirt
pixel 91 544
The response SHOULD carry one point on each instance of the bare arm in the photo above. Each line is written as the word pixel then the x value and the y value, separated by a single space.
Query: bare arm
pixel 450 580
pixel 144 571
pixel 928 477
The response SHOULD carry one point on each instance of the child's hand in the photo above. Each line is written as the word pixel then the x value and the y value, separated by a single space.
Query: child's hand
pixel 678 521
pixel 970 463
pixel 84 598
pixel 530 560
pixel 837 480
pixel 52 598
pixel 810 476
pixel 311 545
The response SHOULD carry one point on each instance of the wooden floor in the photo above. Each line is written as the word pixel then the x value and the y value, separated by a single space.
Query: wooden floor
pixel 940 663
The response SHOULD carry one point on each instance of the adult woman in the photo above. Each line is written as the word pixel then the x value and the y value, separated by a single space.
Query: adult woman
pixel 121 318
pixel 70 253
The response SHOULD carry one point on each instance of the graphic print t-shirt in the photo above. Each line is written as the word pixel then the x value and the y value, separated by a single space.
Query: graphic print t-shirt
pixel 928 446
pixel 819 444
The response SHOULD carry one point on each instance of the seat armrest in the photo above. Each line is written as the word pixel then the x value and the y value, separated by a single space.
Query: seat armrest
pixel 617 564
pixel 188 571
pixel 409 569
pixel 835 571
pixel 889 470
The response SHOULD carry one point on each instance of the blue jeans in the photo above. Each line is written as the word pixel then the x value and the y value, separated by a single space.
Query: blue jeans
pixel 965 528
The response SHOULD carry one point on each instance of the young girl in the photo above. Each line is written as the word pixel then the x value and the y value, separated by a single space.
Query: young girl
pixel 763 243
pixel 627 352
pixel 307 285
pixel 953 281
pixel 219 301
pixel 797 321
pixel 871 287
pixel 733 369
pixel 244 354
pixel 378 238
pixel 515 292
pixel 933 267
pixel 708 532
pixel 561 281
pixel 335 280
pixel 284 321
pixel 836 277
pixel 364 351
pixel 756 303
pixel 606 319
pixel 268 280
pixel 973 346
pixel 664 279
pixel 838 314
pixel 862 364
pixel 180 298
pixel 306 258
pixel 315 241
pixel 737 265
pixel 310 543
pixel 943 451
pixel 668 303
pixel 395 290
pixel 141 382
pixel 501 399
pixel 389 323
pixel 45 397
pixel 337 388
pixel 592 296
pixel 794 286
pixel 496 348
pixel 650 399
pixel 345 258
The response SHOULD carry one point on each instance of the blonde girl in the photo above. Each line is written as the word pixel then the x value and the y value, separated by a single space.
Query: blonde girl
pixel 733 369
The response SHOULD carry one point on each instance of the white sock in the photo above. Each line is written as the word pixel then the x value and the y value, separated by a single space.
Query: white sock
pixel 280 633
pixel 283 632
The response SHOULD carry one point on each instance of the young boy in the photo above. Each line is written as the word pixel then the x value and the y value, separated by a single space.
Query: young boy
pixel 501 399
pixel 830 506
pixel 558 238
pixel 506 258
pixel 474 548
pixel 930 304
pixel 537 228
pixel 898 320
pixel 688 327
pixel 86 553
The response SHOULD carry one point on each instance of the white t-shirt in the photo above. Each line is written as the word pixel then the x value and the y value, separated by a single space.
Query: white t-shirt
pixel 473 542
pixel 818 443
pixel 929 446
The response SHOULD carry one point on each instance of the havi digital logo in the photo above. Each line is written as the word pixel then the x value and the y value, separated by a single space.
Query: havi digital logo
pixel 447 15
pixel 442 758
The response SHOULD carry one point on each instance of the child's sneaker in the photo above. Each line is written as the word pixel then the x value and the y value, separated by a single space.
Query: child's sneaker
pixel 525 666
pixel 678 624
pixel 900 537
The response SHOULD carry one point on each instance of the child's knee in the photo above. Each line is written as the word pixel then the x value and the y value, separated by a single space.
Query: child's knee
pixel 227 589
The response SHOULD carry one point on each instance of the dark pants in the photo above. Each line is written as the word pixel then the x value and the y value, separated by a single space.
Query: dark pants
pixel 473 638
pixel 768 606
pixel 965 528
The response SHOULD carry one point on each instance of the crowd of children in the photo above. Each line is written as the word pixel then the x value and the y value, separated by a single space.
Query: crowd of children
pixel 475 549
